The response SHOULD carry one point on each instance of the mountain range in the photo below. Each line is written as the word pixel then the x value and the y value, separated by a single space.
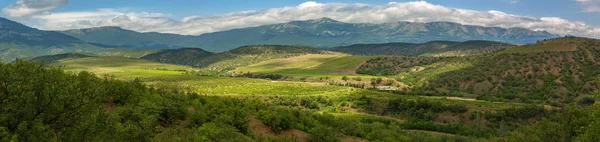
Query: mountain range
pixel 324 32
pixel 20 41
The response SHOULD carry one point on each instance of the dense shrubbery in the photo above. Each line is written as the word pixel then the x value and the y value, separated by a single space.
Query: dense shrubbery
pixel 516 114
pixel 422 109
pixel 261 75
pixel 551 77
pixel 392 65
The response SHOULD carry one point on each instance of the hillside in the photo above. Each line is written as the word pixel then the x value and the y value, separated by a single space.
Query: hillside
pixel 20 41
pixel 183 56
pixel 232 59
pixel 48 59
pixel 554 71
pixel 433 48
pixel 329 65
pixel 115 36
pixel 323 32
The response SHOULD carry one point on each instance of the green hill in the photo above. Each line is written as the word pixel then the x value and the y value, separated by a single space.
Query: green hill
pixel 20 41
pixel 322 32
pixel 433 48
pixel 232 59
pixel 329 65
pixel 553 71
pixel 183 56
pixel 48 59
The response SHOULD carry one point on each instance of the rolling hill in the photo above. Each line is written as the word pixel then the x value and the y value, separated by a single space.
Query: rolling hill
pixel 432 48
pixel 229 60
pixel 20 41
pixel 330 65
pixel 554 71
pixel 323 32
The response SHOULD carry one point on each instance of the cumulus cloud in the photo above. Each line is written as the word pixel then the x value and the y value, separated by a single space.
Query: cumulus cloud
pixel 418 11
pixel 590 5
pixel 32 7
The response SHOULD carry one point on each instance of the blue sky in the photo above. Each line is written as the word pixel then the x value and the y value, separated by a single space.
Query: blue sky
pixel 558 16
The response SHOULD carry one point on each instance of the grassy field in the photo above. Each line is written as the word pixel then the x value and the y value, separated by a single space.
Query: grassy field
pixel 121 67
pixel 310 65
pixel 167 75
pixel 541 48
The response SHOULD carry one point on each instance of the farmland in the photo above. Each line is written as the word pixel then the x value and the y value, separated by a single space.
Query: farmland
pixel 310 65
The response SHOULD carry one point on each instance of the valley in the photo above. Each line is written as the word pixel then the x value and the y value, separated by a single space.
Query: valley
pixel 309 81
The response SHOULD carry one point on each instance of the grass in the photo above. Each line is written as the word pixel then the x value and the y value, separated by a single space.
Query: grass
pixel 541 48
pixel 174 76
pixel 318 65
pixel 121 67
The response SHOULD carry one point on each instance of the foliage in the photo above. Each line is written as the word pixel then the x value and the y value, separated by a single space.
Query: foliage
pixel 431 48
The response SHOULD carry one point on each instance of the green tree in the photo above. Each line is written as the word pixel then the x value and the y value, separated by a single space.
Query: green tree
pixel 345 78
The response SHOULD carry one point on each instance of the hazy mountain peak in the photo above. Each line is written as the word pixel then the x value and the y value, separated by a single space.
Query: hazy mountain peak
pixel 324 20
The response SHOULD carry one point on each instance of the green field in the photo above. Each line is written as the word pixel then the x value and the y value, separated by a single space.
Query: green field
pixel 319 65
pixel 174 76
pixel 342 102
pixel 121 67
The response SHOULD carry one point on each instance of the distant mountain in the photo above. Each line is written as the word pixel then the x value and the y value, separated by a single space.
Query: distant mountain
pixel 432 48
pixel 322 32
pixel 229 60
pixel 20 41
pixel 118 37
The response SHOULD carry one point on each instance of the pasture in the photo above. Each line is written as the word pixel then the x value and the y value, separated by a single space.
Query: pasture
pixel 315 65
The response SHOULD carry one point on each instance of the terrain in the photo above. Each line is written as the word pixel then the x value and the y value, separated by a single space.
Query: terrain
pixel 553 71
pixel 229 60
pixel 20 41
pixel 324 32
pixel 430 91
pixel 432 48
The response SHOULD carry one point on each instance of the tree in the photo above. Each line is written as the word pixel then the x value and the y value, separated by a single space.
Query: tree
pixel 345 78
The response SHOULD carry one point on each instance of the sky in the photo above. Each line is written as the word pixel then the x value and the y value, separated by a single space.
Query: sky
pixel 195 17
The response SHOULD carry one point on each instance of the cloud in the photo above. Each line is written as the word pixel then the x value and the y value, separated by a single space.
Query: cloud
pixel 418 11
pixel 590 5
pixel 32 7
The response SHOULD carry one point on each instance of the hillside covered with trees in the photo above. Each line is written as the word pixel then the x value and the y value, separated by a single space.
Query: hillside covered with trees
pixel 554 71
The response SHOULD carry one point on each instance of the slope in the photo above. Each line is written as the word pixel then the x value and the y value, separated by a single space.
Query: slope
pixel 330 65
pixel 20 41
pixel 433 48
pixel 553 71
pixel 183 56
pixel 322 32
pixel 232 59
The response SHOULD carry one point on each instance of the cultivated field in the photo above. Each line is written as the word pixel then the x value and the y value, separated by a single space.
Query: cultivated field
pixel 318 65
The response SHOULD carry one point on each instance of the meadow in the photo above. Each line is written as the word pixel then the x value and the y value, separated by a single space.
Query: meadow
pixel 314 65
pixel 417 115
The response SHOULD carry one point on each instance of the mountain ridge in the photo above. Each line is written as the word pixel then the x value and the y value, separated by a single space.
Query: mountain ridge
pixel 324 32
pixel 20 41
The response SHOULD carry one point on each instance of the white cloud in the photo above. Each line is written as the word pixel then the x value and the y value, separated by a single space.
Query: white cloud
pixel 418 11
pixel 31 7
pixel 590 5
